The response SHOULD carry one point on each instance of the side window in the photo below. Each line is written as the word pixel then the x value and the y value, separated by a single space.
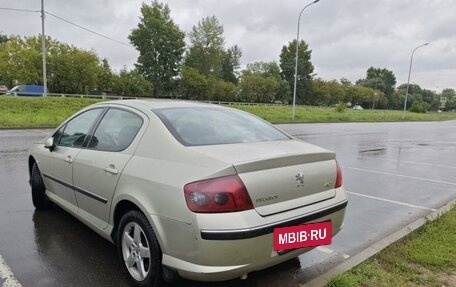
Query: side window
pixel 76 130
pixel 116 130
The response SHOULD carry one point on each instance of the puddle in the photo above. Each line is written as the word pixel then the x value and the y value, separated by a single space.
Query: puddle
pixel 373 151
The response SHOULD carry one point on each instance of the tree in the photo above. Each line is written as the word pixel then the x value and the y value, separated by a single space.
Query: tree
pixel 414 94
pixel 383 80
pixel 195 85
pixel 328 93
pixel 265 69
pixel 283 92
pixel 428 96
pixel 346 82
pixel 256 88
pixel 161 45
pixel 224 91
pixel 270 71
pixel 131 83
pixel 386 76
pixel 419 107
pixel 20 61
pixel 207 52
pixel 106 77
pixel 305 70
pixel 359 95
pixel 231 64
pixel 262 82
pixel 450 95
pixel 70 70
pixel 3 39
pixel 417 94
pixel 210 71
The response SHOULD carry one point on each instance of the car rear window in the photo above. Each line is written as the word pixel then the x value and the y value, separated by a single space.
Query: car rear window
pixel 195 126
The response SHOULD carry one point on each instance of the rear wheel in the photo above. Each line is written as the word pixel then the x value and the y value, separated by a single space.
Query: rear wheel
pixel 39 197
pixel 139 250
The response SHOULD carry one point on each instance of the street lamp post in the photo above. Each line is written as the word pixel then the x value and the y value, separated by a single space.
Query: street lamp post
pixel 408 80
pixel 296 59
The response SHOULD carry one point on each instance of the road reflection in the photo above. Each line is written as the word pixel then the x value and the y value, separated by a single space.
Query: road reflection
pixel 71 252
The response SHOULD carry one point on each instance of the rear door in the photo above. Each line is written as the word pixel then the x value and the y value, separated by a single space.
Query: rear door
pixel 98 167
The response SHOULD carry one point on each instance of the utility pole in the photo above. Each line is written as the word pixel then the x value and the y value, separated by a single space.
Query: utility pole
pixel 43 49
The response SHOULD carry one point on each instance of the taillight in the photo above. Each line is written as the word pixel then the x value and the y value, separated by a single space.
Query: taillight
pixel 223 194
pixel 339 176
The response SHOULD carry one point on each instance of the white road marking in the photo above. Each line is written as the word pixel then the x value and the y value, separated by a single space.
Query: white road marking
pixel 15 153
pixel 325 249
pixel 391 201
pixel 330 251
pixel 410 161
pixel 7 276
pixel 442 142
pixel 400 175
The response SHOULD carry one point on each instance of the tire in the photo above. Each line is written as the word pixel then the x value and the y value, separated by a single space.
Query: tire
pixel 140 254
pixel 39 197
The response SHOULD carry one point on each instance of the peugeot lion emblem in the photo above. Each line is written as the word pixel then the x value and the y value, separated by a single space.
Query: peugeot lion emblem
pixel 300 178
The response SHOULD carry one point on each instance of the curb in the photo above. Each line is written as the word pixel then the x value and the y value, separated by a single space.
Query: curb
pixel 378 246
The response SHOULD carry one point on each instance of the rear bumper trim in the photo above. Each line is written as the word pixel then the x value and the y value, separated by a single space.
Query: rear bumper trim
pixel 234 234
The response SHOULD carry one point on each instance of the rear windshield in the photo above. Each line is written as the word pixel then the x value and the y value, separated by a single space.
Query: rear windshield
pixel 194 126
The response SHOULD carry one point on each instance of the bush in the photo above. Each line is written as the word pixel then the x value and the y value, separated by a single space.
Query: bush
pixel 340 108
pixel 419 107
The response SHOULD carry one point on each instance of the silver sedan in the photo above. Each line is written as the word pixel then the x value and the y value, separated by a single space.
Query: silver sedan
pixel 187 189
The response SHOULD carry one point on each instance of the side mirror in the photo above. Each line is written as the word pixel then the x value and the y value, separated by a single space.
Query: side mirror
pixel 49 144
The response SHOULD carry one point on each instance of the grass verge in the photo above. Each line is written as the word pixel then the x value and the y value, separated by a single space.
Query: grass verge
pixel 426 257
pixel 38 112
pixel 282 114
pixel 17 112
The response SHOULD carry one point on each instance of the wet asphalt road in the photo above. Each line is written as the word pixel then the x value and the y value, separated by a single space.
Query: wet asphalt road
pixel 394 173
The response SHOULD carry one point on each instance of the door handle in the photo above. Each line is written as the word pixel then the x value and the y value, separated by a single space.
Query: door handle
pixel 68 159
pixel 111 169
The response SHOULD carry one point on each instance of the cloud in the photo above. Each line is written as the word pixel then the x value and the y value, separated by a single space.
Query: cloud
pixel 346 36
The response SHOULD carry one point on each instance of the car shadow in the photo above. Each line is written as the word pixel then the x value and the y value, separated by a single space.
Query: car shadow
pixel 72 254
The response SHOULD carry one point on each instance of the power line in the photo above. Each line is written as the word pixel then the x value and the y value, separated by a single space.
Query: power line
pixel 88 30
pixel 68 22
pixel 19 10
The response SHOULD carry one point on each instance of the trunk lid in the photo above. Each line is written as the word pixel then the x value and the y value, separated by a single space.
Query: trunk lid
pixel 280 175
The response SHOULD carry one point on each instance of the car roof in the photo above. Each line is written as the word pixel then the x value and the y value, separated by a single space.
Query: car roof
pixel 153 104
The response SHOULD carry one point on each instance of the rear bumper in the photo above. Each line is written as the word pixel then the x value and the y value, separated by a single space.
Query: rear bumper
pixel 212 254
pixel 222 273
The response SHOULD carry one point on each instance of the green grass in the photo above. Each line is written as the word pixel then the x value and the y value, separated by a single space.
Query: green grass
pixel 38 112
pixel 49 112
pixel 282 114
pixel 427 257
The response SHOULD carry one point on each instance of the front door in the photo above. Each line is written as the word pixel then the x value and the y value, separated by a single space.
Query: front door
pixel 57 165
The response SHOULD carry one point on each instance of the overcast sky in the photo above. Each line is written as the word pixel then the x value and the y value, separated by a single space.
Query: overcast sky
pixel 346 36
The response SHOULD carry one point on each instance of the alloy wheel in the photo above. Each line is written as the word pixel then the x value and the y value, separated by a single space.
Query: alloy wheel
pixel 136 251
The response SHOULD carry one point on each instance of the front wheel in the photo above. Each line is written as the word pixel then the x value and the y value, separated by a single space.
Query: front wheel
pixel 39 197
pixel 139 250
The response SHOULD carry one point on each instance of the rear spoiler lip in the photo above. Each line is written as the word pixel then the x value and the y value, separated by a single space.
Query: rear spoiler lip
pixel 287 160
